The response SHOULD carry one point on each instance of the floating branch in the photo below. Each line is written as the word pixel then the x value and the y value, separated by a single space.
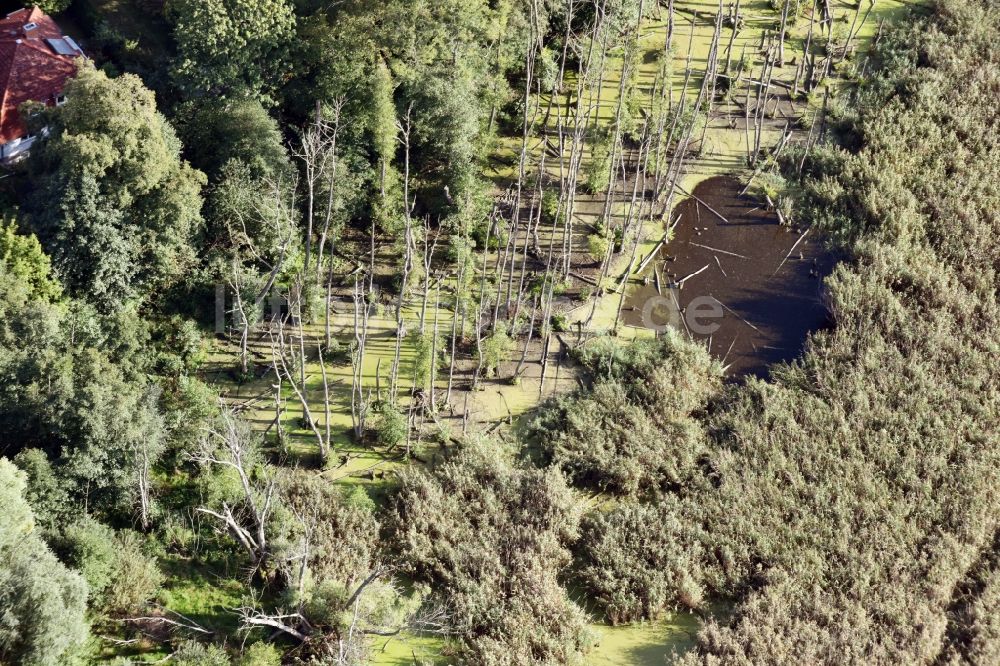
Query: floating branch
pixel 719 264
pixel 731 345
pixel 715 249
pixel 734 313
pixel 699 200
pixel 804 233
pixel 680 283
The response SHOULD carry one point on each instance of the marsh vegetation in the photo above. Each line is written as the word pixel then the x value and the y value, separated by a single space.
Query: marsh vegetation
pixel 318 330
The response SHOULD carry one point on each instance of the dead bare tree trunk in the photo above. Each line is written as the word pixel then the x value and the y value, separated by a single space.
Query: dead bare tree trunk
pixel 362 307
pixel 527 340
pixel 400 332
pixel 805 50
pixel 355 364
pixel 242 317
pixel 459 307
pixel 232 446
pixel 429 249
pixel 477 323
pixel 781 33
pixel 327 306
pixel 313 150
pixel 326 402
pixel 142 469
pixel 333 130
pixel 735 20
pixel 280 351
pixel 434 348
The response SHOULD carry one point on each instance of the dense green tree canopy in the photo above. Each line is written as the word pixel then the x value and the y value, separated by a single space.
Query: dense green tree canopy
pixel 53 6
pixel 114 205
pixel 42 603
pixel 73 396
pixel 229 46
pixel 216 131
pixel 23 257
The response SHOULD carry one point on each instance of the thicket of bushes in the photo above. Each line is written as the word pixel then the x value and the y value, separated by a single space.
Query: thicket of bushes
pixel 491 536
pixel 846 504
pixel 633 430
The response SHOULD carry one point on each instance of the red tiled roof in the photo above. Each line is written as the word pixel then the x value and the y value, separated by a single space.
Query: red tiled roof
pixel 30 70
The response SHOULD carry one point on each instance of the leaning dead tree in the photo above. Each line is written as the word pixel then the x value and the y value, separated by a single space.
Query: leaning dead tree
pixel 348 640
pixel 289 356
pixel 233 445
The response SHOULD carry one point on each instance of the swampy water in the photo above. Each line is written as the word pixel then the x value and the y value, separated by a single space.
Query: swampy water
pixel 643 644
pixel 736 278
pixel 640 644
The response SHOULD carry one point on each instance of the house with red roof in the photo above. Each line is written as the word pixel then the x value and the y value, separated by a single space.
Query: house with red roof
pixel 36 60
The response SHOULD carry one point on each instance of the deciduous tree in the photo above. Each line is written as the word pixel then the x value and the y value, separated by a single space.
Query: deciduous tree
pixel 229 47
pixel 113 203
pixel 42 603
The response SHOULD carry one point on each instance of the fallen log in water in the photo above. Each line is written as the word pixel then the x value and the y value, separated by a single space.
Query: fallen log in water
pixel 649 257
pixel 734 313
pixel 680 283
pixel 804 233
pixel 711 210
pixel 715 249
pixel 586 279
pixel 719 264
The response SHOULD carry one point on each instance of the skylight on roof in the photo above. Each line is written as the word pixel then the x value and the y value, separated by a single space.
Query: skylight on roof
pixel 30 26
pixel 61 47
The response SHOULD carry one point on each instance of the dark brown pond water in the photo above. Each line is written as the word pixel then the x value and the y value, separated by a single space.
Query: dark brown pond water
pixel 749 287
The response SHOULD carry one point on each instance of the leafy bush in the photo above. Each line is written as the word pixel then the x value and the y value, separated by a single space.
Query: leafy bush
pixel 391 427
pixel 491 537
pixel 343 535
pixel 597 171
pixel 135 576
pixel 423 351
pixel 260 654
pixel 597 245
pixel 634 566
pixel 496 349
pixel 550 206
pixel 193 653
pixel 89 547
pixel 632 431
